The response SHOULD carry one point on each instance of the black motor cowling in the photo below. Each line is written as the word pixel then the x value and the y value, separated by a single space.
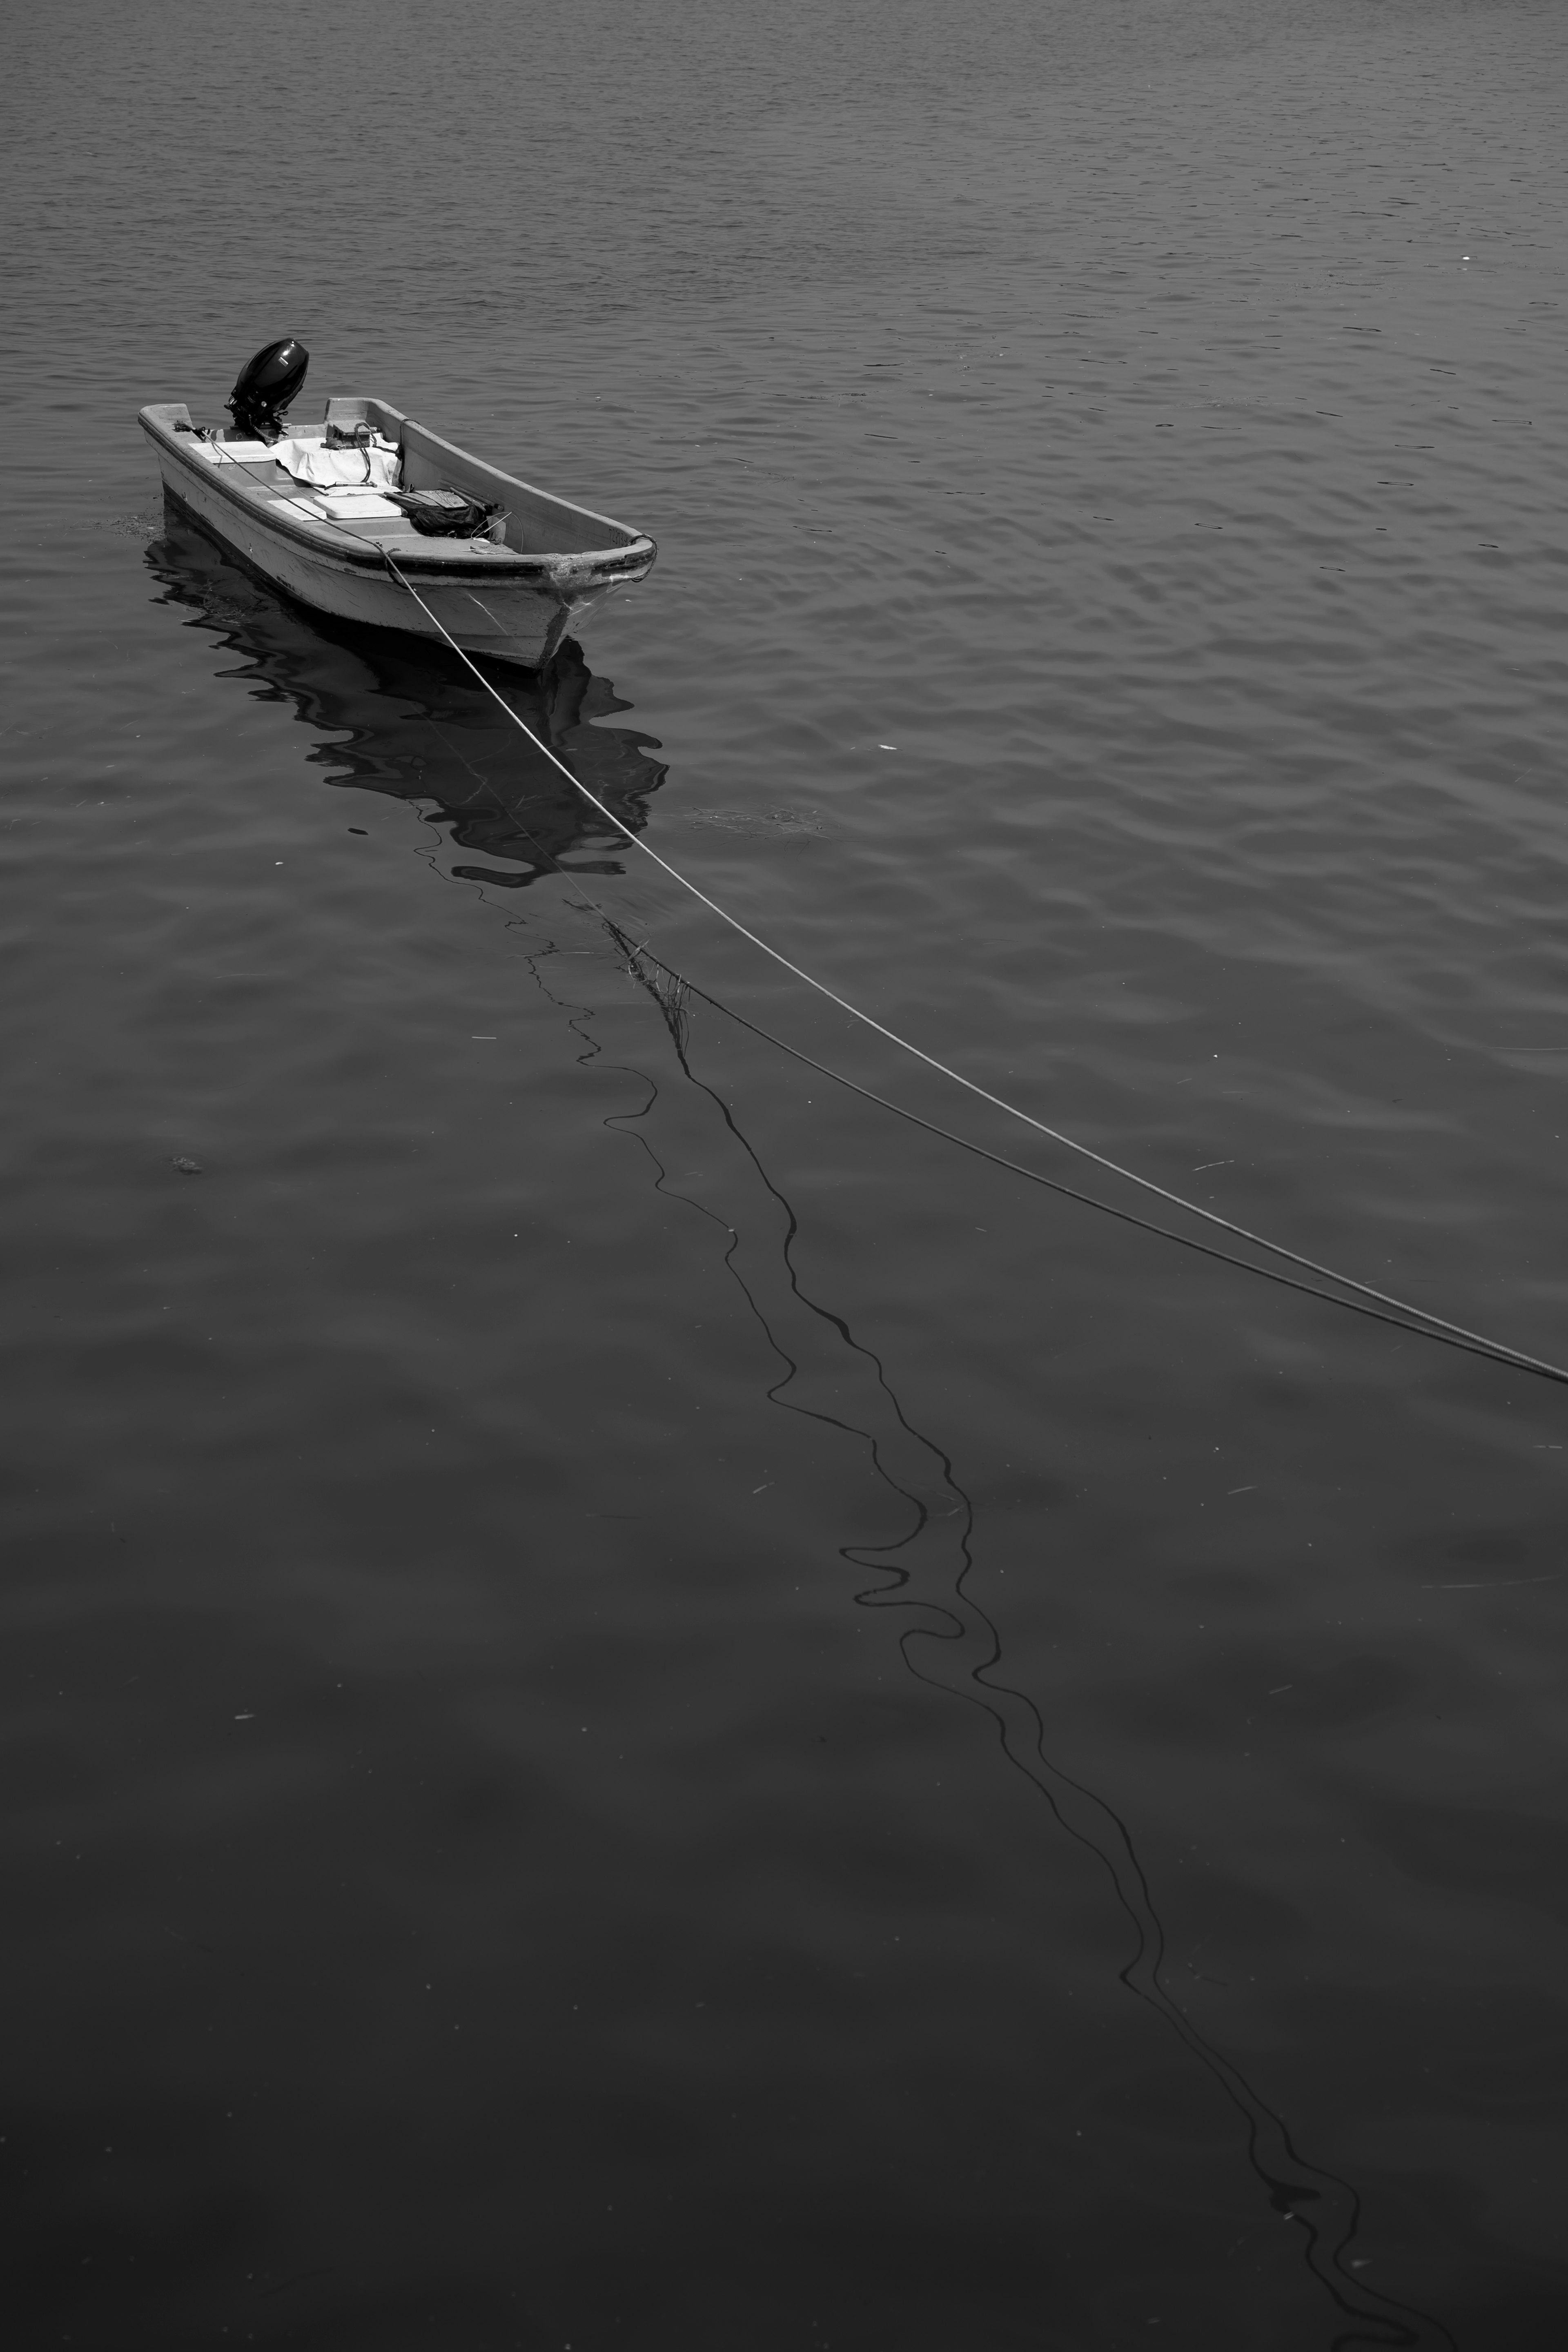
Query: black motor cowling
pixel 267 384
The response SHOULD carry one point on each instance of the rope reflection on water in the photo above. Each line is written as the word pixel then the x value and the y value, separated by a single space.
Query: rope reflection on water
pixel 954 1646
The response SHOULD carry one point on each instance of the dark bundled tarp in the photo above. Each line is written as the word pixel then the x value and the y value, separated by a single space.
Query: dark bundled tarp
pixel 448 514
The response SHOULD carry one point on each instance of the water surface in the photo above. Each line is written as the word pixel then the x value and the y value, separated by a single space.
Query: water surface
pixel 644 1707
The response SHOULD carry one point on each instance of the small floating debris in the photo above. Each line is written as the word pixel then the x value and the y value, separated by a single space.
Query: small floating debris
pixel 188 1167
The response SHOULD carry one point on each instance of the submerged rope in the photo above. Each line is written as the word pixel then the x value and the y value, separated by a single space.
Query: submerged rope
pixel 1425 1324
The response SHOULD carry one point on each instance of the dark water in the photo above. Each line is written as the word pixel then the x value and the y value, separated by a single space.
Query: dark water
pixel 643 1708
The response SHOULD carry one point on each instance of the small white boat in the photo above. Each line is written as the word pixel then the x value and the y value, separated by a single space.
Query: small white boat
pixel 319 511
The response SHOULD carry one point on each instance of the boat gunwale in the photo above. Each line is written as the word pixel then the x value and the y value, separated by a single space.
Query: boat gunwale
pixel 329 541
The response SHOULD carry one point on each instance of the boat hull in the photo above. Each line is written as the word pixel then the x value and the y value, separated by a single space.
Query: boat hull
pixel 491 600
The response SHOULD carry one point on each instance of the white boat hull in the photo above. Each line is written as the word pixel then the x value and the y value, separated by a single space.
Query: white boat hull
pixel 506 600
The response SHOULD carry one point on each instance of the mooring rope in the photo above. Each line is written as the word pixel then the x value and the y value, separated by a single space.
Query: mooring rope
pixel 1425 1324
pixel 1491 1352
pixel 639 957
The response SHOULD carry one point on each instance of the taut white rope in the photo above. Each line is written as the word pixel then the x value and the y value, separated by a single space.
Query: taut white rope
pixel 1499 1350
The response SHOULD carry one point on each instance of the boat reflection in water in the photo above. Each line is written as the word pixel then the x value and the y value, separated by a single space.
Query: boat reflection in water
pixel 419 726
pixel 407 718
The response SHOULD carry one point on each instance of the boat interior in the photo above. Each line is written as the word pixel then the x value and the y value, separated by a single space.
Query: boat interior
pixel 340 471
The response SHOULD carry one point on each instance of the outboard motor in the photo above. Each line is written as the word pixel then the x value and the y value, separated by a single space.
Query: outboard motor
pixel 266 386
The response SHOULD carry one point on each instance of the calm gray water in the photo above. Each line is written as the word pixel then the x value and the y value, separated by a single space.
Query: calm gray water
pixel 644 1708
